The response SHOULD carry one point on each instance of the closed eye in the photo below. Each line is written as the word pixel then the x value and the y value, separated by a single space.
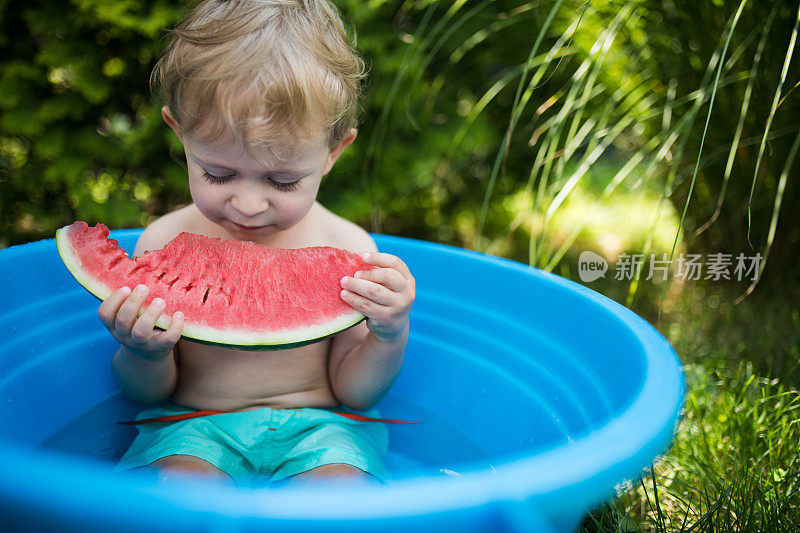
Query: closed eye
pixel 217 179
pixel 284 185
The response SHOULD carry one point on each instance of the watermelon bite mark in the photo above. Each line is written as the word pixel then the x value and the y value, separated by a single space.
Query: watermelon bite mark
pixel 232 293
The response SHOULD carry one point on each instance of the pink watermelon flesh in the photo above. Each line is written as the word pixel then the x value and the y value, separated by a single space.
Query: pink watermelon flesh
pixel 231 292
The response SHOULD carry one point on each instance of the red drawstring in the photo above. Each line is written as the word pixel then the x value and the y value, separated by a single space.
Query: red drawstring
pixel 173 418
pixel 362 418
pixel 196 414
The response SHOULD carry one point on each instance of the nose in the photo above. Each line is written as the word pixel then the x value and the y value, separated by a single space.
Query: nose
pixel 250 202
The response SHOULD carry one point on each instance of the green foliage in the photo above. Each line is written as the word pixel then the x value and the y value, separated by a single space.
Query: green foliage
pixel 80 136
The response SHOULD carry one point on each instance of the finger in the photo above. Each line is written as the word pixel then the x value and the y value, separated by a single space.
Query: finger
pixel 110 307
pixel 142 330
pixel 370 290
pixel 387 261
pixel 169 337
pixel 129 310
pixel 369 307
pixel 388 277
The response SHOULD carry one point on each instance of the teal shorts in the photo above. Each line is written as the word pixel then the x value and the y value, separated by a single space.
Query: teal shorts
pixel 263 444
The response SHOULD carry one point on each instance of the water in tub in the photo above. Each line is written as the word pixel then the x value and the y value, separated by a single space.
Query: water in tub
pixel 96 435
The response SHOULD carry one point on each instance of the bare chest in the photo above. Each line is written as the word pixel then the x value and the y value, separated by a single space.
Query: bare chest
pixel 212 377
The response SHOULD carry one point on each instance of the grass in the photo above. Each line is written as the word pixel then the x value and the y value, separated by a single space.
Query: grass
pixel 735 462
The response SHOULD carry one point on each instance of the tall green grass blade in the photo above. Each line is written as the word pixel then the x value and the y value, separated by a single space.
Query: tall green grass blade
pixel 774 107
pixel 541 61
pixel 451 29
pixel 775 212
pixel 680 133
pixel 698 98
pixel 590 158
pixel 659 513
pixel 593 152
pixel 512 123
pixel 504 21
pixel 547 154
pixel 586 75
pixel 740 125
pixel 372 160
pixel 602 53
pixel 618 178
pixel 708 118
pixel 700 150
pixel 376 141
pixel 775 133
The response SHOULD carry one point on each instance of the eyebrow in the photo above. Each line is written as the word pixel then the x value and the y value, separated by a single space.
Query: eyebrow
pixel 210 164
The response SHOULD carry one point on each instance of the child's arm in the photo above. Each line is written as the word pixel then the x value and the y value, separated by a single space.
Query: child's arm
pixel 144 366
pixel 363 366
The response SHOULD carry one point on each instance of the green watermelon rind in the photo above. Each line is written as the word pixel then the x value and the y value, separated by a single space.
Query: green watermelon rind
pixel 250 340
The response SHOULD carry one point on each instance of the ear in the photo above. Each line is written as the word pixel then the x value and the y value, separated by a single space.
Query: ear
pixel 167 116
pixel 337 150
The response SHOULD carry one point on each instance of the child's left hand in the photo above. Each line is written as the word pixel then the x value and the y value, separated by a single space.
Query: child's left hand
pixel 384 294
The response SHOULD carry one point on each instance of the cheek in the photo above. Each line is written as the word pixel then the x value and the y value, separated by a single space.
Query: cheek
pixel 290 207
pixel 294 206
pixel 205 196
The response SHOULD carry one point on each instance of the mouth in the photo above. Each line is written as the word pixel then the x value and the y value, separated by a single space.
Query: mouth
pixel 247 228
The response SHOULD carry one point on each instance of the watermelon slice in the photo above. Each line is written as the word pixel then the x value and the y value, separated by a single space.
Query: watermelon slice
pixel 232 293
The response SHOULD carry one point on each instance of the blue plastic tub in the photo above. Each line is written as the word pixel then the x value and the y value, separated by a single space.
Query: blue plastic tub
pixel 537 396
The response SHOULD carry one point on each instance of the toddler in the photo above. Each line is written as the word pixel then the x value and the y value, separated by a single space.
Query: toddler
pixel 263 96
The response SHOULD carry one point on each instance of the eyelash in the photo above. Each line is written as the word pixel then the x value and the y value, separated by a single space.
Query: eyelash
pixel 286 187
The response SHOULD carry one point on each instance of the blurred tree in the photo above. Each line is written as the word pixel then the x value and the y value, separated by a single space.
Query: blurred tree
pixel 79 133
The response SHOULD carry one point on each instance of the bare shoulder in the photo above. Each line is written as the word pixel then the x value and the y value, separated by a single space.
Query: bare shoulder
pixel 344 234
pixel 165 228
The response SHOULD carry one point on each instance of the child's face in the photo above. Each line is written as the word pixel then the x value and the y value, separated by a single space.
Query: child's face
pixel 252 200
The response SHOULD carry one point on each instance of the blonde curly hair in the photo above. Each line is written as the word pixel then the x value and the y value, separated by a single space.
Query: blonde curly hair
pixel 268 72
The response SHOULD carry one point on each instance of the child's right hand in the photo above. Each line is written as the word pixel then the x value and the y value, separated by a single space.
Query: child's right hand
pixel 138 334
